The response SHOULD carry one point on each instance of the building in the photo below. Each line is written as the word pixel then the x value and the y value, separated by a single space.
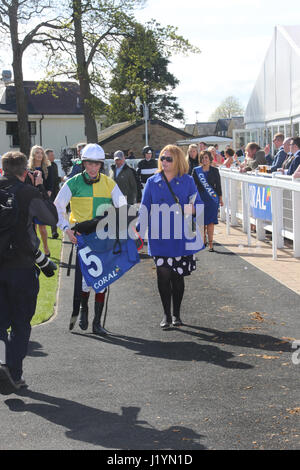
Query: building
pixel 274 105
pixel 131 136
pixel 201 128
pixel 55 116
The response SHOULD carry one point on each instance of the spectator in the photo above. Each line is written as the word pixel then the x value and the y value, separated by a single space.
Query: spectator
pixel 295 148
pixel 297 173
pixel 280 156
pixel 207 179
pixel 130 155
pixel 146 167
pixel 254 157
pixel 192 157
pixel 202 146
pixel 124 176
pixel 39 161
pixel 173 257
pixel 19 284
pixel 77 168
pixel 56 180
pixel 230 158
pixel 217 157
pixel 241 153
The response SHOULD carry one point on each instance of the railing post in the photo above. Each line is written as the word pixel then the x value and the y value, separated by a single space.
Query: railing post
pixel 275 225
pixel 260 230
pixel 222 208
pixel 233 202
pixel 227 204
pixel 245 197
pixel 246 208
pixel 296 222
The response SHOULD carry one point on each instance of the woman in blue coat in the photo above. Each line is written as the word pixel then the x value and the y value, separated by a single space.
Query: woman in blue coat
pixel 169 199
pixel 207 179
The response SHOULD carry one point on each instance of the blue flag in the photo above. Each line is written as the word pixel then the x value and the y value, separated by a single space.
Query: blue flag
pixel 103 262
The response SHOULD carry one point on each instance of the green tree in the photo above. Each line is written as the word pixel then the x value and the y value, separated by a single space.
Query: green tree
pixel 229 107
pixel 85 47
pixel 14 14
pixel 141 70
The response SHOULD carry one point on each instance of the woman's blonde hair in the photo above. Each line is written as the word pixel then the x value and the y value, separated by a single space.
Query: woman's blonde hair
pixel 212 149
pixel 181 166
pixel 45 162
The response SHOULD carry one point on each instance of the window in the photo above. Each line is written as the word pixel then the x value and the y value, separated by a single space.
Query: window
pixel 296 130
pixel 13 131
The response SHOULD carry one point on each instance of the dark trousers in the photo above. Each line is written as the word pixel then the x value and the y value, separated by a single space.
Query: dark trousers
pixel 52 197
pixel 18 295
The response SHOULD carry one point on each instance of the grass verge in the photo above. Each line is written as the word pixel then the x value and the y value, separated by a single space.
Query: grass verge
pixel 48 285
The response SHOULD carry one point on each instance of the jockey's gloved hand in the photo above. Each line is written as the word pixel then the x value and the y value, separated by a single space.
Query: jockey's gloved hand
pixel 88 226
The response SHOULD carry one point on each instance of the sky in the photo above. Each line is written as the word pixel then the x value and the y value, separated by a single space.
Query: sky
pixel 233 35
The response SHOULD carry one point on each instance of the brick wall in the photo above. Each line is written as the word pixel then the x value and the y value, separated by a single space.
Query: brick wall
pixel 134 139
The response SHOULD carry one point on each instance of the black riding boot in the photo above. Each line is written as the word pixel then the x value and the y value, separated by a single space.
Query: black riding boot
pixel 84 312
pixel 97 328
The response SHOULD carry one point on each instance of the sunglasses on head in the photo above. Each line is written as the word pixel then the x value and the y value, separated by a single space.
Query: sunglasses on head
pixel 168 159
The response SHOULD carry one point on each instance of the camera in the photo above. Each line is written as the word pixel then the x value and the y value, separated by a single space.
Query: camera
pixel 28 180
pixel 45 264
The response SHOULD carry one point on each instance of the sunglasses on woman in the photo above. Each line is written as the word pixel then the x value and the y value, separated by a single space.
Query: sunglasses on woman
pixel 168 159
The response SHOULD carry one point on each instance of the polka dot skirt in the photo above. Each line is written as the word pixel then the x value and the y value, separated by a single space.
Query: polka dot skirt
pixel 183 265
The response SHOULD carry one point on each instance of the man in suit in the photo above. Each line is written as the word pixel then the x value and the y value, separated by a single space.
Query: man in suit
pixel 255 157
pixel 295 148
pixel 281 154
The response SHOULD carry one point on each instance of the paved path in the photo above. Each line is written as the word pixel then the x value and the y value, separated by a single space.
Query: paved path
pixel 225 380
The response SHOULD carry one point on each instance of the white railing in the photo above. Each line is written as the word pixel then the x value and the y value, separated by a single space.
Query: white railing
pixel 285 206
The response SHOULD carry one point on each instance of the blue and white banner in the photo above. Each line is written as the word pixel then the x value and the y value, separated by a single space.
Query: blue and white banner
pixel 210 191
pixel 103 262
pixel 260 202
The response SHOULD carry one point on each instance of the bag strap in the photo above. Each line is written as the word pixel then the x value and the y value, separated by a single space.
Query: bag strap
pixel 176 198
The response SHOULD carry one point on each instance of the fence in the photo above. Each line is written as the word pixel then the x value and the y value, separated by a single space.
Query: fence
pixel 247 197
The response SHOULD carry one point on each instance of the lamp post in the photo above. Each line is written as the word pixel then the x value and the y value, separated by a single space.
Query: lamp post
pixel 138 104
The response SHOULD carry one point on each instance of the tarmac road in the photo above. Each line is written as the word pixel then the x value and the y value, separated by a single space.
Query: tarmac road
pixel 225 380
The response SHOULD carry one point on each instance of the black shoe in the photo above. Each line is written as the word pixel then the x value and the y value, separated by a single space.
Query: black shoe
pixel 166 322
pixel 211 250
pixel 55 235
pixel 176 321
pixel 7 384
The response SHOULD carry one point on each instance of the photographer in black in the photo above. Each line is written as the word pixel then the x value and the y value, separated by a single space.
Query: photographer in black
pixel 19 284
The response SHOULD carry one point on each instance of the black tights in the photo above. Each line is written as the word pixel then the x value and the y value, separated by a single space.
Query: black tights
pixel 170 285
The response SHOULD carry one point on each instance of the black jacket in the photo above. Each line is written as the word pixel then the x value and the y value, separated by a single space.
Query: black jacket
pixel 193 162
pixel 145 169
pixel 127 182
pixel 32 202
pixel 213 179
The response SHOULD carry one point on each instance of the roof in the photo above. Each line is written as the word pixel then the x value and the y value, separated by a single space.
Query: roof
pixel 208 139
pixel 276 93
pixel 222 124
pixel 60 98
pixel 117 130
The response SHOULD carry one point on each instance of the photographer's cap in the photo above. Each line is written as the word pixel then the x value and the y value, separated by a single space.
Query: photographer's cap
pixel 92 153
pixel 118 155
